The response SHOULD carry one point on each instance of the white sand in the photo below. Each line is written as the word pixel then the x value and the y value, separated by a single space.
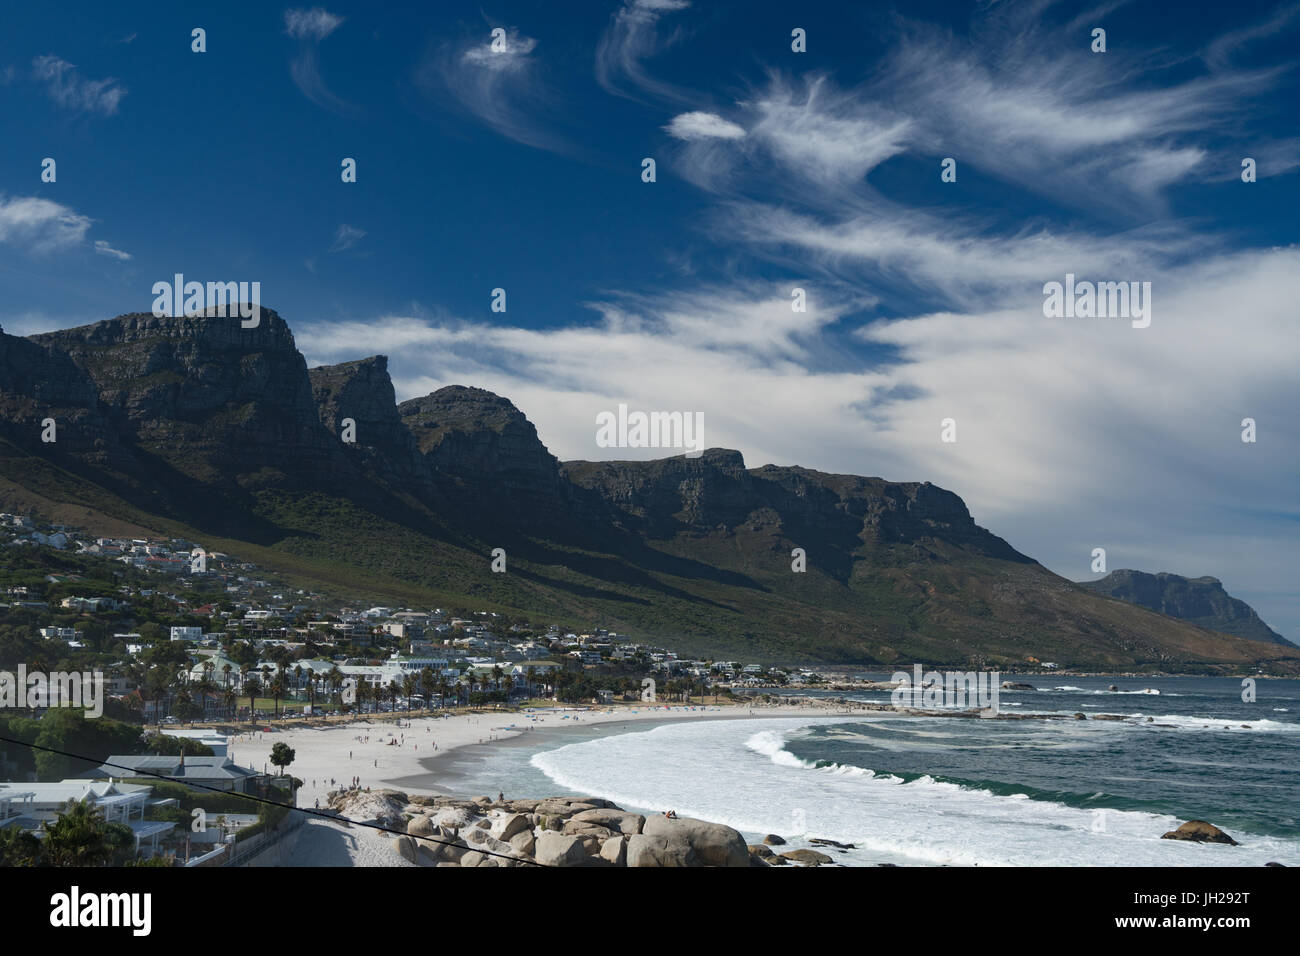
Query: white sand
pixel 365 748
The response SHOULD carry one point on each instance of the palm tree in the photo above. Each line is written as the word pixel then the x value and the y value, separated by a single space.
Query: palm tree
pixel 278 688
pixel 441 685
pixel 251 687
pixel 158 684
pixel 225 673
pixel 410 684
pixel 205 686
pixel 81 837
pixel 426 683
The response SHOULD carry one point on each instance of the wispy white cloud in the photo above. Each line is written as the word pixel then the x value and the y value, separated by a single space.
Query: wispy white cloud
pixel 1018 103
pixel 104 249
pixel 632 37
pixel 500 85
pixel 1022 104
pixel 826 134
pixel 1221 52
pixel 346 237
pixel 510 52
pixel 310 27
pixel 74 92
pixel 314 24
pixel 954 260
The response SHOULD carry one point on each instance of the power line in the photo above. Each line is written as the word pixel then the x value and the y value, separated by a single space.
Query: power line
pixel 257 799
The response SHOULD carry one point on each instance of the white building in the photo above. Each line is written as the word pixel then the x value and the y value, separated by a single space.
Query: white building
pixel 30 805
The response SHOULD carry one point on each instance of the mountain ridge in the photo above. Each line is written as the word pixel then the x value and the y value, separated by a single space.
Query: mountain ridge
pixel 1202 601
pixel 201 424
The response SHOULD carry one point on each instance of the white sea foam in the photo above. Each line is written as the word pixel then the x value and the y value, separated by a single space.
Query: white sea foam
pixel 1097 690
pixel 1182 722
pixel 1144 690
pixel 741 773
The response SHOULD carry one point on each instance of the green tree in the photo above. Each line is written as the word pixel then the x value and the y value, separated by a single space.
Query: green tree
pixel 282 755
pixel 252 687
pixel 81 837
pixel 67 729
pixel 278 688
pixel 18 847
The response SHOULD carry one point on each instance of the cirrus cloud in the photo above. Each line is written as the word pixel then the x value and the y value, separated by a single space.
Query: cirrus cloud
pixel 74 92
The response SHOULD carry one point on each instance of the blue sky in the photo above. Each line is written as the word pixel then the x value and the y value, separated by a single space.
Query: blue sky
pixel 521 169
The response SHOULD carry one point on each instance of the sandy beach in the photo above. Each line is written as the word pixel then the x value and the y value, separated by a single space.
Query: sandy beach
pixel 393 753
pixel 417 756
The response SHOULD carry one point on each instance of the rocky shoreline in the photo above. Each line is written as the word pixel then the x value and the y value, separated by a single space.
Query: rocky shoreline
pixel 554 831
pixel 574 831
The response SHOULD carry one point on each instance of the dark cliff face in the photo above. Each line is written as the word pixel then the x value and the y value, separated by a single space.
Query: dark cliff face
pixel 716 493
pixel 485 447
pixel 660 498
pixel 39 382
pixel 217 402
pixel 1202 601
pixel 363 392
pixel 210 397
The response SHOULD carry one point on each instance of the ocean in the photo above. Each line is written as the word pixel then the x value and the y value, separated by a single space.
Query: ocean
pixel 970 792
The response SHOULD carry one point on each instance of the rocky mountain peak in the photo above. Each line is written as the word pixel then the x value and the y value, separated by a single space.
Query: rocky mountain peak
pixel 1202 601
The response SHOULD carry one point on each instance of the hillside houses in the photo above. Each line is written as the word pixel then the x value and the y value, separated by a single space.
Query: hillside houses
pixel 224 620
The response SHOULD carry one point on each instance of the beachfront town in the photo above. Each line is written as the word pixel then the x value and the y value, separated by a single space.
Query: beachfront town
pixel 193 644
pixel 228 625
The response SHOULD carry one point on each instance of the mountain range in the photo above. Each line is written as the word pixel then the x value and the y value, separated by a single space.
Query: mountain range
pixel 199 427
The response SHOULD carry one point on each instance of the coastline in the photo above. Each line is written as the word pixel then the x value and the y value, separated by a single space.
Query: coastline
pixel 401 756
pixel 481 754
